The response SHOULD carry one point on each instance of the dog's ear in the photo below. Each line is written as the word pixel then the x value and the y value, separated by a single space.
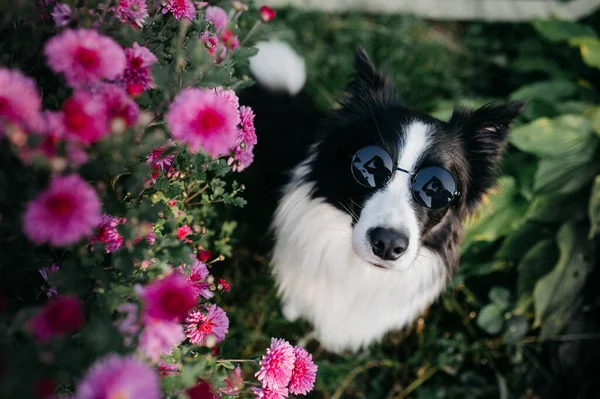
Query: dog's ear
pixel 367 79
pixel 484 132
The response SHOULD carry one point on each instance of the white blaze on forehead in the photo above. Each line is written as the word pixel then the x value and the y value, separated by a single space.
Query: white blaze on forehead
pixel 416 141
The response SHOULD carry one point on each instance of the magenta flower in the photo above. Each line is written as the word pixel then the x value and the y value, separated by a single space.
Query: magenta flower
pixel 107 233
pixel 20 102
pixel 114 376
pixel 137 72
pixel 166 369
pixel 85 57
pixel 270 393
pixel 217 16
pixel 168 299
pixel 247 132
pixel 304 373
pixel 203 120
pixel 277 365
pixel 232 99
pixel 129 325
pixel 85 118
pixel 234 382
pixel 61 315
pixel 180 9
pixel 197 278
pixel 64 213
pixel 158 160
pixel 132 11
pixel 119 104
pixel 46 272
pixel 242 159
pixel 211 320
pixel 61 14
pixel 158 338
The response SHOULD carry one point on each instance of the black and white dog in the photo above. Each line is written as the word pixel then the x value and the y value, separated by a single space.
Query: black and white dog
pixel 367 201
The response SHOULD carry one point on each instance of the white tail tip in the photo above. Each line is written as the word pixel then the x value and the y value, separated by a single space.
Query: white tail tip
pixel 277 67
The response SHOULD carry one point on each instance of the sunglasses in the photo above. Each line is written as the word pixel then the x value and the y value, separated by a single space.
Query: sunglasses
pixel 433 186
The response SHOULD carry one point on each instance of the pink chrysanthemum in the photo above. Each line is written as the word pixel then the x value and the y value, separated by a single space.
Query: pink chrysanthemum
pixel 180 9
pixel 217 16
pixel 46 272
pixel 61 315
pixel 211 42
pixel 64 213
pixel 232 99
pixel 247 132
pixel 304 373
pixel 203 120
pixel 20 102
pixel 168 299
pixel 85 118
pixel 119 104
pixel 139 63
pixel 210 320
pixel 234 382
pixel 183 231
pixel 242 159
pixel 128 325
pixel 61 14
pixel 114 376
pixel 270 393
pixel 158 160
pixel 197 278
pixel 158 338
pixel 277 365
pixel 132 11
pixel 165 369
pixel 107 233
pixel 85 57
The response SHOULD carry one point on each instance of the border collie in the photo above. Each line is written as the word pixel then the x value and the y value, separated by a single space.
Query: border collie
pixel 365 203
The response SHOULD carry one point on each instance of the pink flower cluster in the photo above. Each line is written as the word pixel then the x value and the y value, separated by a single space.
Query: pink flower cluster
pixel 285 369
pixel 222 40
pixel 61 315
pixel 107 233
pixel 213 121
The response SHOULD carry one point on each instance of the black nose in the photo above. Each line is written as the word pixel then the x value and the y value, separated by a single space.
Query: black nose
pixel 388 244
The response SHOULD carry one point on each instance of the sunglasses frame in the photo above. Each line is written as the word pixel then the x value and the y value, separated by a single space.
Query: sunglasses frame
pixel 413 176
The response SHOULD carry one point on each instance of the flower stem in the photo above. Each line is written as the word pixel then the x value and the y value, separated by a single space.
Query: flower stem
pixel 254 28
pixel 237 361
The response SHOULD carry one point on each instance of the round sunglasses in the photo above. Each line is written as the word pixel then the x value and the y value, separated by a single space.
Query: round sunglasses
pixel 432 186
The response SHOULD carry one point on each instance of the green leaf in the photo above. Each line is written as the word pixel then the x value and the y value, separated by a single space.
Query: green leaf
pixel 556 30
pixel 548 91
pixel 500 296
pixel 557 208
pixel 546 137
pixel 556 294
pixel 518 242
pixel 594 208
pixel 516 329
pixel 589 47
pixel 566 174
pixel 491 318
pixel 537 262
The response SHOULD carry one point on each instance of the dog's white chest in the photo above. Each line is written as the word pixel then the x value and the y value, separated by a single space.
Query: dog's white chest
pixel 351 304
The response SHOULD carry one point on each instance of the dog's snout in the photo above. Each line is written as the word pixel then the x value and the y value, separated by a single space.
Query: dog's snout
pixel 388 244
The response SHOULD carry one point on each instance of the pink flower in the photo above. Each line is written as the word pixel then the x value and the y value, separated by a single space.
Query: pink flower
pixel 211 320
pixel 242 159
pixel 132 11
pixel 137 71
pixel 270 393
pixel 183 231
pixel 85 57
pixel 165 369
pixel 304 373
pixel 85 118
pixel 267 13
pixel 158 160
pixel 211 42
pixel 202 390
pixel 234 382
pixel 64 213
pixel 61 14
pixel 128 325
pixel 61 315
pixel 217 16
pixel 225 285
pixel 46 273
pixel 180 9
pixel 277 365
pixel 20 102
pixel 197 278
pixel 203 120
pixel 115 376
pixel 119 104
pixel 158 338
pixel 204 255
pixel 232 99
pixel 247 132
pixel 108 234
pixel 168 299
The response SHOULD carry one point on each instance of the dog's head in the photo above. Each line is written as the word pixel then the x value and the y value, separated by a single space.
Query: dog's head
pixel 401 174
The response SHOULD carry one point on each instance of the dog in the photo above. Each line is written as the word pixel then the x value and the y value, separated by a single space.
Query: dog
pixel 363 204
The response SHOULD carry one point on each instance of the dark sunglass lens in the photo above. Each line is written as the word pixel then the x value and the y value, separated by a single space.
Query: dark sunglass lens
pixel 372 166
pixel 434 187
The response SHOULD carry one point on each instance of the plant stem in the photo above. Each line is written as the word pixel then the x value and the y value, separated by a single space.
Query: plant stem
pixel 252 30
pixel 417 383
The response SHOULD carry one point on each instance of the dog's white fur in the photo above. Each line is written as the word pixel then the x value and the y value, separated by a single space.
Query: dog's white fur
pixel 320 276
pixel 277 67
